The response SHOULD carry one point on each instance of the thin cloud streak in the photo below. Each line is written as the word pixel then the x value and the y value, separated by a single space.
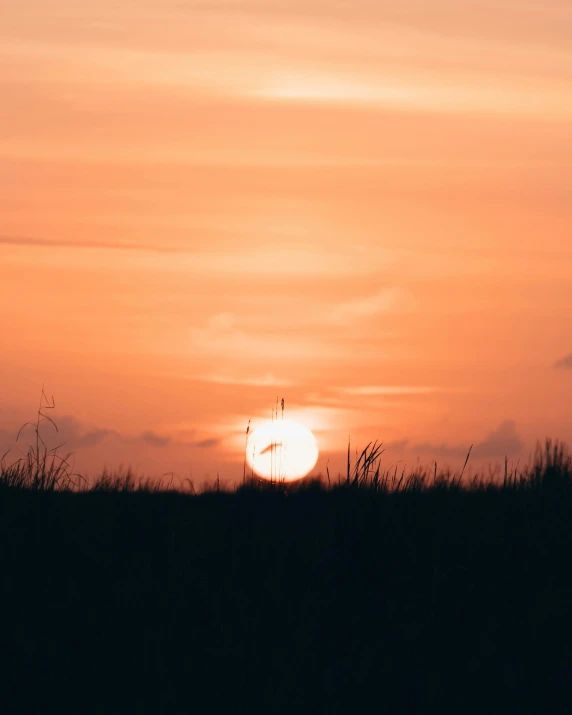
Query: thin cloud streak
pixel 300 262
pixel 375 390
pixel 31 242
pixel 240 344
pixel 267 380
pixel 385 301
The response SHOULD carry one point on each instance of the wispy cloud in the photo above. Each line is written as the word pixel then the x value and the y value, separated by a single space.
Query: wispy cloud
pixel 71 434
pixel 266 380
pixel 309 262
pixel 79 244
pixel 400 92
pixel 155 440
pixel 348 311
pixel 502 441
pixel 184 439
pixel 565 363
pixel 318 399
pixel 206 443
pixel 375 390
pixel 223 336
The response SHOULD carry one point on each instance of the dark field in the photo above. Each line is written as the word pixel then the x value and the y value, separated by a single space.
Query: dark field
pixel 357 598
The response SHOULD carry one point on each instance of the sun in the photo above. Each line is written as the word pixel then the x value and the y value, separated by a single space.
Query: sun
pixel 282 450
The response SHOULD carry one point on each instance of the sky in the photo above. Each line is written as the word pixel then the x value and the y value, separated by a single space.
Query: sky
pixel 362 207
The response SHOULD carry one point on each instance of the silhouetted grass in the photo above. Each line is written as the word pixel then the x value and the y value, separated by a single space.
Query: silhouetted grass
pixel 380 591
pixel 41 469
pixel 549 469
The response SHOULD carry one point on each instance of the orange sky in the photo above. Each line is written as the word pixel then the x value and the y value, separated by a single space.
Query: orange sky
pixel 363 207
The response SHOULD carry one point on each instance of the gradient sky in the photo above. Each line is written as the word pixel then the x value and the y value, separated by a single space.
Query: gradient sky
pixel 363 207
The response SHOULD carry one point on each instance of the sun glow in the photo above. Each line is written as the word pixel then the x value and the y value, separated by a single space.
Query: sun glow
pixel 281 449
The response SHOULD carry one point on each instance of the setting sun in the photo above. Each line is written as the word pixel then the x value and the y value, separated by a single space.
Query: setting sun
pixel 281 449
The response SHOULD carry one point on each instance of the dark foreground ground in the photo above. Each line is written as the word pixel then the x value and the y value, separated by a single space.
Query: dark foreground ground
pixel 336 601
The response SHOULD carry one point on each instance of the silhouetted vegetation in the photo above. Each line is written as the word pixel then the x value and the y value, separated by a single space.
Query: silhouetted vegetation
pixel 382 591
